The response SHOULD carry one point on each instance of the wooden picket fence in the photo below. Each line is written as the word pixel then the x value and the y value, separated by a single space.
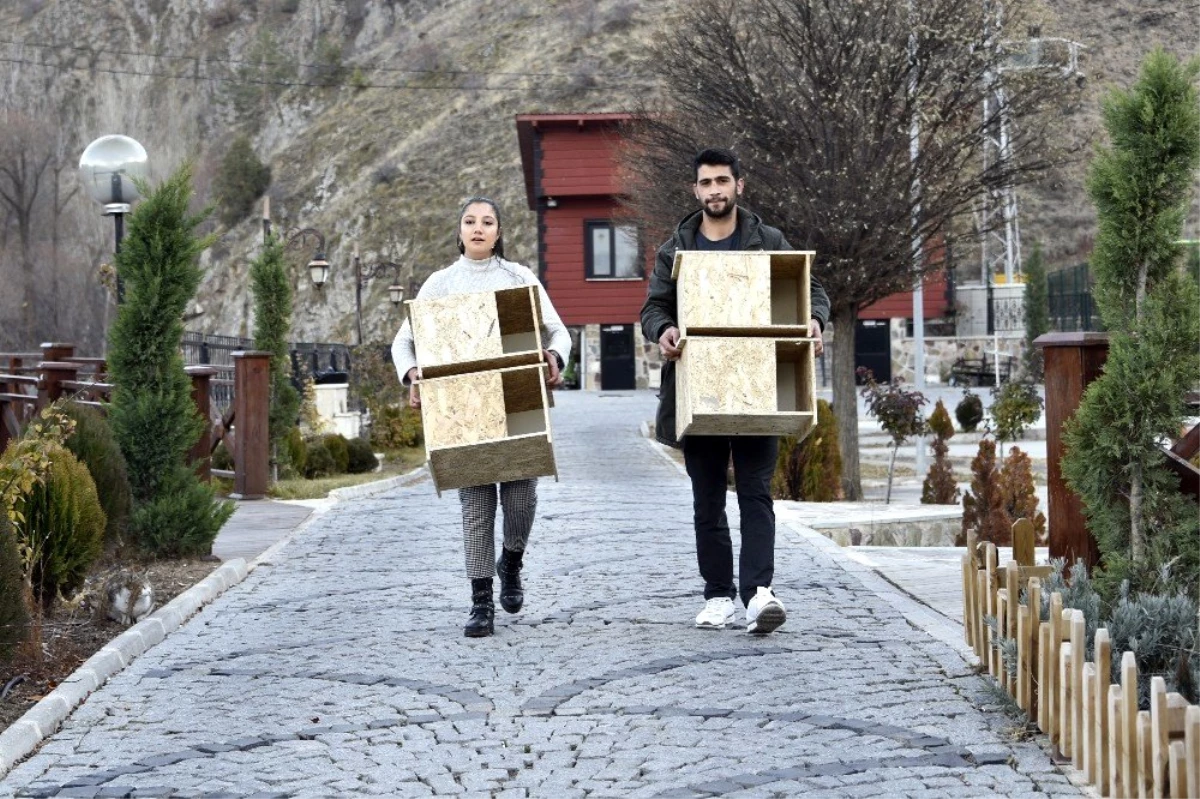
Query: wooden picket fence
pixel 1123 751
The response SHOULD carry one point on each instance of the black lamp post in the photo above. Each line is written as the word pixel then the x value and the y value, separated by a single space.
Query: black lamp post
pixel 318 267
pixel 362 275
pixel 107 169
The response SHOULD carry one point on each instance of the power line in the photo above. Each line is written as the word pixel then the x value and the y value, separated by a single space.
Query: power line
pixel 293 64
pixel 327 84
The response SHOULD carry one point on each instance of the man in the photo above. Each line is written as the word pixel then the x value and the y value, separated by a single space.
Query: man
pixel 721 224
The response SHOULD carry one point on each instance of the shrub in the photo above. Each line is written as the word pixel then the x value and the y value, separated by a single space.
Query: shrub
pixel 152 413
pixel 983 507
pixel 14 613
pixel 339 448
pixel 241 179
pixel 1018 494
pixel 1015 407
pixel 320 462
pixel 396 427
pixel 898 412
pixel 183 518
pixel 939 487
pixel 812 470
pixel 940 423
pixel 222 458
pixel 63 531
pixel 969 411
pixel 297 450
pixel 93 443
pixel 362 459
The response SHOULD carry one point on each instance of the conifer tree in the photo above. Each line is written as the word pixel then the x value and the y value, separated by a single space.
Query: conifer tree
pixel 272 320
pixel 1037 312
pixel 939 487
pixel 152 413
pixel 983 505
pixel 1142 186
pixel 1018 492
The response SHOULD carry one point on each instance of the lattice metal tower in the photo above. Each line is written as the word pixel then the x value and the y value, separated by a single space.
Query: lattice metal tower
pixel 997 219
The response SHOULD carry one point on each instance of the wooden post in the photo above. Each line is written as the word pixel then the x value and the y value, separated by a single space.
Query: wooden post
pixel 1024 652
pixel 1158 736
pixel 1113 745
pixel 56 351
pixel 1103 647
pixel 1078 658
pixel 1043 696
pixel 1035 638
pixel 1131 763
pixel 1072 361
pixel 1012 586
pixel 1177 770
pixel 1065 699
pixel 1053 726
pixel 1191 742
pixel 201 454
pixel 1088 727
pixel 252 447
pixel 1145 763
pixel 53 373
pixel 968 578
pixel 1023 541
pixel 991 655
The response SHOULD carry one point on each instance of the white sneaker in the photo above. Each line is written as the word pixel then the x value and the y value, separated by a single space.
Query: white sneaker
pixel 764 613
pixel 717 612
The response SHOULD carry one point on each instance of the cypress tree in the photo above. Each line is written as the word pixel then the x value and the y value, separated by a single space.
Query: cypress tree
pixel 152 413
pixel 272 320
pixel 1141 186
pixel 1037 312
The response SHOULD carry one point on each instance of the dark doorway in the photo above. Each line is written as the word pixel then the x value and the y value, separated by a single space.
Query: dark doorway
pixel 873 349
pixel 616 357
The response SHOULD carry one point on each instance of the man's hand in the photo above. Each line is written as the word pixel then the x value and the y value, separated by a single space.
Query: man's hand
pixel 818 340
pixel 414 391
pixel 668 344
pixel 553 375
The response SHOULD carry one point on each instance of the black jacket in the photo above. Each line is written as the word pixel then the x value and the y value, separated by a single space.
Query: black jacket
pixel 660 310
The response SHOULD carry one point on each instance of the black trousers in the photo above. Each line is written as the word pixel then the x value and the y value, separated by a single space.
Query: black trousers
pixel 707 458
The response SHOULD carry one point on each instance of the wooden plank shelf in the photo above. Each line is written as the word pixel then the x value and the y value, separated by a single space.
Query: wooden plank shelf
pixel 473 332
pixel 762 294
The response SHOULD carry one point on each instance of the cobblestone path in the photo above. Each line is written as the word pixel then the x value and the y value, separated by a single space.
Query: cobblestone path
pixel 339 668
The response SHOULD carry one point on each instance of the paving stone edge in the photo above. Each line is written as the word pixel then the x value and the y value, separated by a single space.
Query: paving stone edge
pixel 44 718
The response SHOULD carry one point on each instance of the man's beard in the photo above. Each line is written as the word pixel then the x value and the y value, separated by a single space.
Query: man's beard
pixel 724 212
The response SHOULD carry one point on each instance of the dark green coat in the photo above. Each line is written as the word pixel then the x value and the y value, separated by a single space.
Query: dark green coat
pixel 660 310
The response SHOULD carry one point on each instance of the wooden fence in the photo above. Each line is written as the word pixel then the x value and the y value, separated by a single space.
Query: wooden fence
pixel 34 380
pixel 1123 751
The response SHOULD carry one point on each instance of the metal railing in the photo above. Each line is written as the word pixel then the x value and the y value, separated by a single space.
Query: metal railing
pixel 1069 295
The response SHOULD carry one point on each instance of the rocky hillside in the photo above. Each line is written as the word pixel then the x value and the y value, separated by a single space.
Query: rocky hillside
pixel 378 117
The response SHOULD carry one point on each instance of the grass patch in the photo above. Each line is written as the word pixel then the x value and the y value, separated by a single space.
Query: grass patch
pixel 396 463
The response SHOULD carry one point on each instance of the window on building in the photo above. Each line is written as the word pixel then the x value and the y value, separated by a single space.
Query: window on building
pixel 611 251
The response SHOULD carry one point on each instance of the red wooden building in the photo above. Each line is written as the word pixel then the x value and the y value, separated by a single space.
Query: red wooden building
pixel 595 267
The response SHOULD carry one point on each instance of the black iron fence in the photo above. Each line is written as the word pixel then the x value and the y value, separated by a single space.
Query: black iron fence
pixel 1069 292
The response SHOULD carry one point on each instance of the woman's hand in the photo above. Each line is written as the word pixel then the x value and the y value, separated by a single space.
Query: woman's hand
pixel 553 375
pixel 414 391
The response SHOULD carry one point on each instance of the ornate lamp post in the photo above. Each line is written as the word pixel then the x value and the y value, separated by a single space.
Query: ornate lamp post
pixel 318 267
pixel 362 275
pixel 107 169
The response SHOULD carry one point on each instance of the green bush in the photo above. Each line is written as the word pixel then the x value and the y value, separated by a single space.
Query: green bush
pixel 812 470
pixel 969 411
pixel 339 448
pixel 183 518
pixel 1016 406
pixel 396 427
pixel 14 614
pixel 95 445
pixel 362 459
pixel 297 450
pixel 222 458
pixel 940 423
pixel 63 528
pixel 241 179
pixel 320 462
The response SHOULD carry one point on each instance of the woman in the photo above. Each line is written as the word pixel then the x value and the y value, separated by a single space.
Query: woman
pixel 481 267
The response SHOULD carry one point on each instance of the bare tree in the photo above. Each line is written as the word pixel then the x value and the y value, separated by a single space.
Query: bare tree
pixel 25 159
pixel 824 100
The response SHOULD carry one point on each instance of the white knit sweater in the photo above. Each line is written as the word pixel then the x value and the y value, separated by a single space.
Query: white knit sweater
pixel 466 276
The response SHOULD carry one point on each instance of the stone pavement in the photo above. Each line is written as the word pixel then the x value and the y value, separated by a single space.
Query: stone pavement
pixel 338 667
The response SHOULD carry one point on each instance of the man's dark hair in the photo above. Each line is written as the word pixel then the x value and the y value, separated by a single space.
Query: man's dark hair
pixel 714 156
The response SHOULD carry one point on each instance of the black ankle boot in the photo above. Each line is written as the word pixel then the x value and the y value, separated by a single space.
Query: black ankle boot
pixel 512 596
pixel 483 609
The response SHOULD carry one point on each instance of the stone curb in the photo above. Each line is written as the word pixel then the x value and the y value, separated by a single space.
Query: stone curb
pixel 374 487
pixel 44 718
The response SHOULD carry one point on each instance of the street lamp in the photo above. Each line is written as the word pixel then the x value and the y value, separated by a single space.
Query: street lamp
pixel 318 267
pixel 107 169
pixel 364 274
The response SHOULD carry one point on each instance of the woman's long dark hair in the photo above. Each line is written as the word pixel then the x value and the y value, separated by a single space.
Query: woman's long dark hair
pixel 498 250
